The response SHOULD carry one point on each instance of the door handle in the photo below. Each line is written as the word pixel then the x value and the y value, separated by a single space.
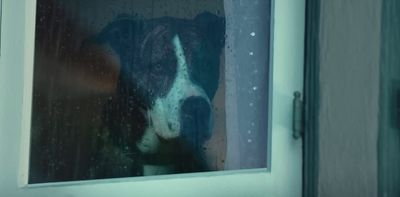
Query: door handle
pixel 297 115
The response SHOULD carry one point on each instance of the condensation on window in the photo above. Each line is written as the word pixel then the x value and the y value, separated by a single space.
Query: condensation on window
pixel 129 88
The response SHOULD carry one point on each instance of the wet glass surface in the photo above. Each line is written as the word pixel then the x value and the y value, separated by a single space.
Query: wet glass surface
pixel 135 88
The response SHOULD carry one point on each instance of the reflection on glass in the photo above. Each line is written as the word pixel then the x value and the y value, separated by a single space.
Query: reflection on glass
pixel 136 88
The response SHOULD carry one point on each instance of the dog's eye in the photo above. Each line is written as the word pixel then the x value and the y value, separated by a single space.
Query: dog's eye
pixel 157 68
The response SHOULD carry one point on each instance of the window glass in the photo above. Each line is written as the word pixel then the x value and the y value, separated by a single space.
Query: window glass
pixel 148 87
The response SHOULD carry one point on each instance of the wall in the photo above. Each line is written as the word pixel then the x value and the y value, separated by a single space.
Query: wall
pixel 349 88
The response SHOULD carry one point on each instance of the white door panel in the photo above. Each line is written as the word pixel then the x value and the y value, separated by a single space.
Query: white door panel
pixel 282 178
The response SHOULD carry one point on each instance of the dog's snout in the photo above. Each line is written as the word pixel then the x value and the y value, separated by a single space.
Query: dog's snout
pixel 196 120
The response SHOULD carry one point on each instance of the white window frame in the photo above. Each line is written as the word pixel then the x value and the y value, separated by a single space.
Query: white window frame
pixel 284 178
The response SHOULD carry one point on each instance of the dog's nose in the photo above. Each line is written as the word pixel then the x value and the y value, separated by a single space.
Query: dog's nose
pixel 195 121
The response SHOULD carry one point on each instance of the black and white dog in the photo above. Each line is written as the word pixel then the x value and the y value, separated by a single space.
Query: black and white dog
pixel 161 114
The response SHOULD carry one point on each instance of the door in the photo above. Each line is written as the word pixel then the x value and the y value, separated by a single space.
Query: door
pixel 389 140
pixel 280 174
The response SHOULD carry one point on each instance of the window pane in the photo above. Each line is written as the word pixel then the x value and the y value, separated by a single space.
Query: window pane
pixel 134 88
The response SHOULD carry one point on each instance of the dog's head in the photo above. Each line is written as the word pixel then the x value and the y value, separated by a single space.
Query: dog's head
pixel 171 66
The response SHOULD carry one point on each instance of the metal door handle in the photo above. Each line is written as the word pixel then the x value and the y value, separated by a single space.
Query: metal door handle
pixel 297 115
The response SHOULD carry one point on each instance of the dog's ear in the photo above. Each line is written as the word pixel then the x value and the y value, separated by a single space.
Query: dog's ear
pixel 212 29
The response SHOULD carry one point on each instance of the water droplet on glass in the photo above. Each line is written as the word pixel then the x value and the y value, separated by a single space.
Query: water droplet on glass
pixel 249 140
pixel 253 34
pixel 251 104
pixel 255 88
pixel 251 53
